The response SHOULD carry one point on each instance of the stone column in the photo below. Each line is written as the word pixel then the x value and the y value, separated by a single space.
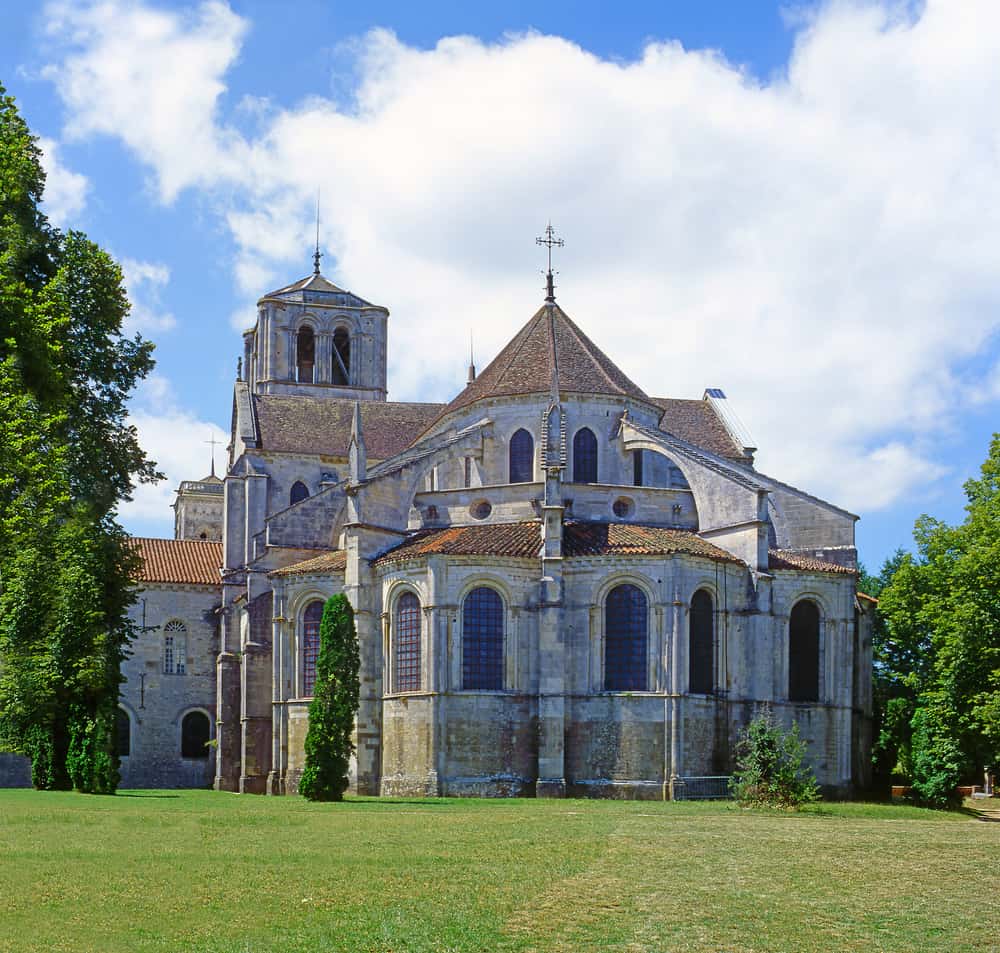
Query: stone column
pixel 227 701
pixel 279 711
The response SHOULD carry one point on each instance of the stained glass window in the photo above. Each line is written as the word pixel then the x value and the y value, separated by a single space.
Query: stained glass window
pixel 585 456
pixel 625 638
pixel 310 644
pixel 522 457
pixel 195 733
pixel 482 640
pixel 701 655
pixel 407 674
pixel 299 492
pixel 803 652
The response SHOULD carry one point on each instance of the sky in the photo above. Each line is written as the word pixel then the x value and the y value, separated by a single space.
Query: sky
pixel 796 203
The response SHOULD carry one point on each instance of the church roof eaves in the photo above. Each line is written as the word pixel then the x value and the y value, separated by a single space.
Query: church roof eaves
pixel 786 559
pixel 581 538
pixel 183 561
pixel 335 561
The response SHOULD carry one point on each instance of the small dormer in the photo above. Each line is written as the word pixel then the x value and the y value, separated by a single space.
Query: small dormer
pixel 315 339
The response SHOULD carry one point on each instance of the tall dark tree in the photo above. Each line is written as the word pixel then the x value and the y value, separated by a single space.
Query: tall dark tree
pixel 329 743
pixel 67 459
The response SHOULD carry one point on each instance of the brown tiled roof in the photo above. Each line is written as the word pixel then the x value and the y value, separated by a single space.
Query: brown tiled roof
pixel 335 561
pixel 323 424
pixel 525 365
pixel 696 422
pixel 580 538
pixel 192 561
pixel 785 559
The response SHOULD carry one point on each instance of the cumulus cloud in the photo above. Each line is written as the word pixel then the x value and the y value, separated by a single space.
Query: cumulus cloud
pixel 65 190
pixel 822 244
pixel 175 437
pixel 145 281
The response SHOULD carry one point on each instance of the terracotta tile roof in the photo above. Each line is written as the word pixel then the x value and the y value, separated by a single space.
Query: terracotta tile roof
pixel 192 561
pixel 323 424
pixel 525 365
pixel 335 561
pixel 785 559
pixel 580 538
pixel 696 422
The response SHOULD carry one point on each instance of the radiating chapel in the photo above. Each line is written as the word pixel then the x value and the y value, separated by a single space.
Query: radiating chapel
pixel 562 585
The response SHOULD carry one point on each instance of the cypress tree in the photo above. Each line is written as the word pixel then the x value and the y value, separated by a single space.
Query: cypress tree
pixel 329 743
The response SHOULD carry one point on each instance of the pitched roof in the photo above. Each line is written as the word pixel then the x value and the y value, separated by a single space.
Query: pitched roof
pixel 335 561
pixel 311 425
pixel 549 345
pixel 580 538
pixel 311 282
pixel 786 559
pixel 696 422
pixel 192 561
pixel 318 288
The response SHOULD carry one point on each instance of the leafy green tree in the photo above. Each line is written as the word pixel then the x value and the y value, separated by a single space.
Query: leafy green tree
pixel 770 766
pixel 329 742
pixel 67 458
pixel 942 613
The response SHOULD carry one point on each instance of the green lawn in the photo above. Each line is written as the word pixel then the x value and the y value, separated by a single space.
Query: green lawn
pixel 195 870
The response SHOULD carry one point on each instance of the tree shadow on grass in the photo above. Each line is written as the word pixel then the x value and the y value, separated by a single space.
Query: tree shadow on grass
pixel 143 794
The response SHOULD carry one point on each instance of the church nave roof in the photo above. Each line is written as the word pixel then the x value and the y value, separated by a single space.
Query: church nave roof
pixel 184 561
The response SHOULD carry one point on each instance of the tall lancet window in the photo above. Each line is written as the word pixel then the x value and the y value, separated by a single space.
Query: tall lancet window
pixel 522 457
pixel 341 357
pixel 625 639
pixel 585 456
pixel 407 669
pixel 305 354
pixel 803 652
pixel 311 619
pixel 701 644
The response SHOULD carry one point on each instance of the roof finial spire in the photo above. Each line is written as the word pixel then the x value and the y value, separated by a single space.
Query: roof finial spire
pixel 316 254
pixel 213 442
pixel 551 241
pixel 472 360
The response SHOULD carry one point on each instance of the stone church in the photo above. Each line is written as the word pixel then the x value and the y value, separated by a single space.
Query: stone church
pixel 562 585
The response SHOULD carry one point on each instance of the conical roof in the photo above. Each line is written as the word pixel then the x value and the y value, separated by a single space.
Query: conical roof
pixel 549 351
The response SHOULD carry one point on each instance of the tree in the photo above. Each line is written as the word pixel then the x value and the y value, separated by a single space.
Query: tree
pixel 942 615
pixel 329 744
pixel 770 766
pixel 67 459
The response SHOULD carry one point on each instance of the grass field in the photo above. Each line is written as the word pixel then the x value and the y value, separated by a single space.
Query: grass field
pixel 195 870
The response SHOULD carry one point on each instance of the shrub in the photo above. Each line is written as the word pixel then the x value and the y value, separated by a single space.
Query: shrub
pixel 937 763
pixel 329 745
pixel 769 766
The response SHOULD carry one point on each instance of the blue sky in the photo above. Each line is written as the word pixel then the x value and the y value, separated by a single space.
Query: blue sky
pixel 799 205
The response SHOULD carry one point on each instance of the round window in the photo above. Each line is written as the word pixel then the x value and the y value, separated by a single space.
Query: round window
pixel 622 507
pixel 481 509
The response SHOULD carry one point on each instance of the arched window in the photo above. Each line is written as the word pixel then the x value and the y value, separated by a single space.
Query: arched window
pixel 407 667
pixel 123 733
pixel 311 618
pixel 482 640
pixel 299 492
pixel 341 357
pixel 625 638
pixel 522 457
pixel 803 652
pixel 195 734
pixel 175 648
pixel 305 354
pixel 585 456
pixel 701 650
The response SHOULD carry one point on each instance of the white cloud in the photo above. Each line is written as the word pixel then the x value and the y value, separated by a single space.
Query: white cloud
pixel 821 245
pixel 175 438
pixel 65 190
pixel 145 281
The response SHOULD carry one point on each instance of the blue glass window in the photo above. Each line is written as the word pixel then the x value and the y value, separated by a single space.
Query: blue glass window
pixel 625 639
pixel 482 640
pixel 299 492
pixel 407 669
pixel 585 456
pixel 311 619
pixel 701 654
pixel 522 457
pixel 803 652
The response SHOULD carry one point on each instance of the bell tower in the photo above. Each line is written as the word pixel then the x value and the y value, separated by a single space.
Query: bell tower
pixel 313 338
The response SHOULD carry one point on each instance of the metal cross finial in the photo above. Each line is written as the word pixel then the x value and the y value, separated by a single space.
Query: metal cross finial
pixel 551 242
pixel 317 255
pixel 214 443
